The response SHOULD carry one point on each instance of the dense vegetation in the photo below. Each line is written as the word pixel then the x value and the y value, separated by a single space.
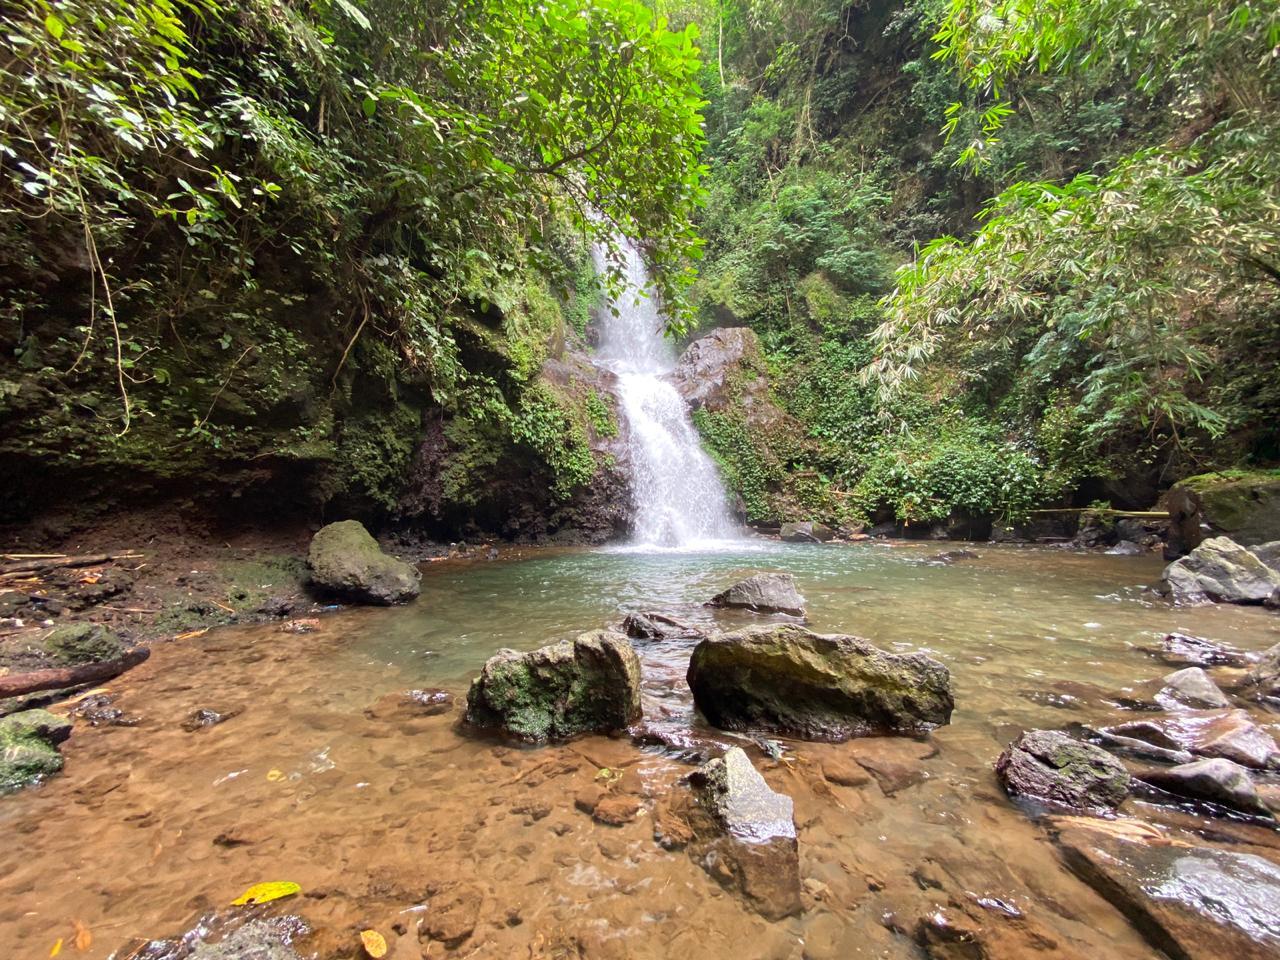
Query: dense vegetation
pixel 999 253
pixel 262 247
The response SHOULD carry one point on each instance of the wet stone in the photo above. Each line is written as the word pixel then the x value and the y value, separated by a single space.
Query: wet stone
pixel 205 717
pixel 97 711
pixel 1192 902
pixel 788 680
pixel 1190 687
pixel 1050 766
pixel 658 626
pixel 590 684
pixel 28 747
pixel 763 593
pixel 1230 734
pixel 1199 652
pixel 745 835
pixel 1217 781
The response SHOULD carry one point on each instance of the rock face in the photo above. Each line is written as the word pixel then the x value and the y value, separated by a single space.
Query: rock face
pixel 1242 506
pixel 1217 781
pixel 1263 682
pixel 749 845
pixel 1221 570
pixel 1051 766
pixel 589 684
pixel 1190 687
pixel 1193 903
pixel 788 680
pixel 805 531
pixel 1207 733
pixel 28 747
pixel 347 562
pixel 763 593
pixel 708 365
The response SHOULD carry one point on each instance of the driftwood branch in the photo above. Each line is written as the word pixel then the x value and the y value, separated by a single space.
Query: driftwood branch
pixel 40 564
pixel 20 684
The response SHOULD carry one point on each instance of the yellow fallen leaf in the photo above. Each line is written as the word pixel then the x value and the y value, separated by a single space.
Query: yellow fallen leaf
pixel 84 938
pixel 264 892
pixel 57 948
pixel 275 776
pixel 374 943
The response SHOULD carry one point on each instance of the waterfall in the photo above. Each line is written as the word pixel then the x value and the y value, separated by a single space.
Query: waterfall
pixel 679 500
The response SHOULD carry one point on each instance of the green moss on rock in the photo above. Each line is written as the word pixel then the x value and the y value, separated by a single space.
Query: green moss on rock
pixel 77 643
pixel 589 684
pixel 28 748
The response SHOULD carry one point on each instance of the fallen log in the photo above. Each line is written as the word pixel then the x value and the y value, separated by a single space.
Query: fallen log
pixel 20 684
pixel 36 564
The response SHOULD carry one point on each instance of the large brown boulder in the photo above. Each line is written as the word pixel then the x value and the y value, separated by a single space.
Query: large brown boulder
pixel 788 680
pixel 587 685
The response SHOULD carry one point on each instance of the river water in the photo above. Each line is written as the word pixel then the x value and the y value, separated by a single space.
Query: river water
pixel 382 816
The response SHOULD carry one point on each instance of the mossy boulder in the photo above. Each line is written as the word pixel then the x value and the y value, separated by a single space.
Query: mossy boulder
pixel 788 680
pixel 1241 504
pixel 1050 766
pixel 590 684
pixel 28 747
pixel 347 562
pixel 76 643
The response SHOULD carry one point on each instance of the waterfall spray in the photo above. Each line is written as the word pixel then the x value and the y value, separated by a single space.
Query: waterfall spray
pixel 679 499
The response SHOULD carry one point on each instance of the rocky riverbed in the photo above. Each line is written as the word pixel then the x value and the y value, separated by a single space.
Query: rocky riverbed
pixel 338 759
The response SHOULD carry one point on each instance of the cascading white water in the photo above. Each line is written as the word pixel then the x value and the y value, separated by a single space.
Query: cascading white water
pixel 679 500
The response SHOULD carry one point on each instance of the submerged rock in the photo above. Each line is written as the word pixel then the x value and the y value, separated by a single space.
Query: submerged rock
pixel 1230 734
pixel 788 680
pixel 1217 781
pixel 1197 651
pixel 1125 548
pixel 589 684
pixel 1190 687
pixel 657 626
pixel 1049 765
pixel 805 531
pixel 749 844
pixel 1193 903
pixel 347 562
pixel 763 593
pixel 1220 570
pixel 28 747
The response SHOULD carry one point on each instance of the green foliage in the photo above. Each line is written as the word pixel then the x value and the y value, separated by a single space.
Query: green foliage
pixel 600 412
pixel 543 424
pixel 746 468
pixel 209 210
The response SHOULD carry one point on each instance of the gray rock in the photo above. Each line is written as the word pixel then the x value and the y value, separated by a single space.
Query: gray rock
pixel 1193 903
pixel 1048 765
pixel 763 593
pixel 805 531
pixel 751 847
pixel 1217 781
pixel 347 562
pixel 1183 648
pixel 1125 548
pixel 1263 681
pixel 1230 734
pixel 788 680
pixel 1220 570
pixel 1191 687
pixel 28 747
pixel 589 684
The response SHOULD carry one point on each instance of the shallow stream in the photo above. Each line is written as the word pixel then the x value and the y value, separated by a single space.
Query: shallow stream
pixel 383 816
